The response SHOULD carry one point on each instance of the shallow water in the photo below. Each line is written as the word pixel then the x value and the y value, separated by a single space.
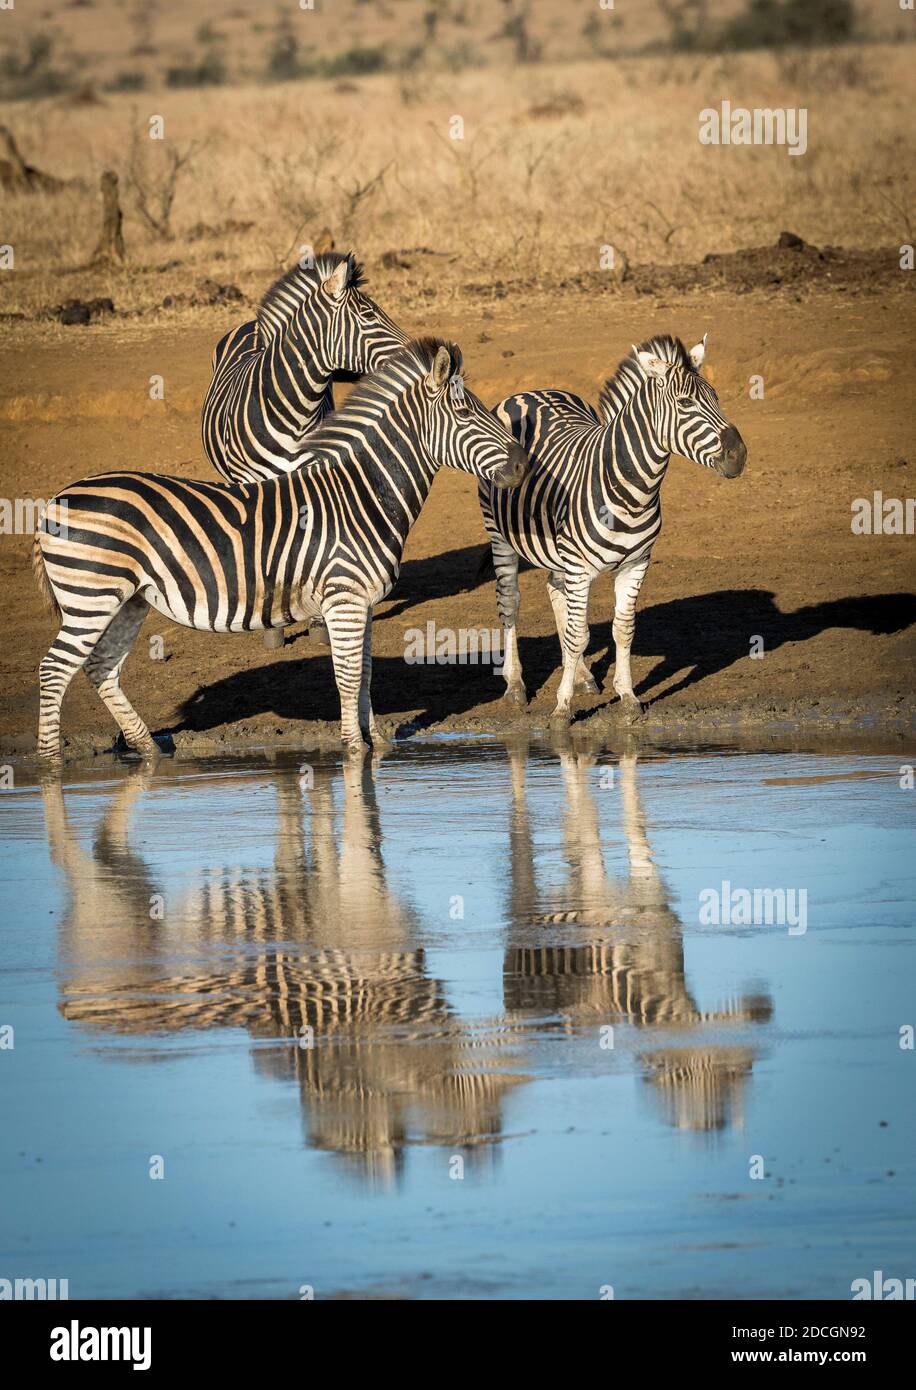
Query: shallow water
pixel 458 1025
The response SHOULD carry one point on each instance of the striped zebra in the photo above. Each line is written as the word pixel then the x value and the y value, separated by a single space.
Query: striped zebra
pixel 316 940
pixel 272 382
pixel 587 947
pixel 272 377
pixel 235 557
pixel 590 501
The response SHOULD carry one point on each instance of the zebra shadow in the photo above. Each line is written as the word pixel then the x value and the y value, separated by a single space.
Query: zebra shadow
pixel 699 636
pixel 305 690
pixel 706 633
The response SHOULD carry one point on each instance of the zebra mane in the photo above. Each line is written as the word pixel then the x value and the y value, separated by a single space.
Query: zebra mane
pixel 629 376
pixel 284 297
pixel 417 357
pixel 425 350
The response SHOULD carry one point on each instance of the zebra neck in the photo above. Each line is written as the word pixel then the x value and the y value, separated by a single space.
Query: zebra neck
pixel 634 463
pixel 298 358
pixel 397 479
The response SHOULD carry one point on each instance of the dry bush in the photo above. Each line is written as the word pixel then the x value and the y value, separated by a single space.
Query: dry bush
pixel 153 171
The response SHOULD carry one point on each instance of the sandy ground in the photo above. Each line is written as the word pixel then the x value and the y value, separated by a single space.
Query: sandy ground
pixel 771 555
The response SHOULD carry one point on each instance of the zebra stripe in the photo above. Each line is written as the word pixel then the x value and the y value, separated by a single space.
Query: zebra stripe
pixel 235 557
pixel 588 947
pixel 590 501
pixel 319 940
pixel 272 377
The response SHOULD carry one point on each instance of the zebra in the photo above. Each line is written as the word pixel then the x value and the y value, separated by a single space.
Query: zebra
pixel 318 941
pixel 590 501
pixel 588 947
pixel 272 377
pixel 247 556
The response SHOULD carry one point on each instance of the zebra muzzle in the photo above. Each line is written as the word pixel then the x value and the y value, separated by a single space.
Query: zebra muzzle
pixel 514 470
pixel 733 457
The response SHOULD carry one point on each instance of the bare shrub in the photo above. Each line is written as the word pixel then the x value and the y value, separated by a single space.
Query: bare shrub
pixel 299 185
pixel 153 170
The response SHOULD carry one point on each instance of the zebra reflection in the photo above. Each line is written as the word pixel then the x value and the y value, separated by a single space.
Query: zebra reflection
pixel 314 953
pixel 595 949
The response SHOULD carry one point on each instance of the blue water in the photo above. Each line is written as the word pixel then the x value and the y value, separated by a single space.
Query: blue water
pixel 534 1070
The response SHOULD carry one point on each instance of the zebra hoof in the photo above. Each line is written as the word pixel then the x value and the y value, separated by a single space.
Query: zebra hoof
pixel 318 633
pixel 516 694
pixel 631 708
pixel 587 685
pixel 141 751
pixel 561 717
pixel 274 638
pixel 356 748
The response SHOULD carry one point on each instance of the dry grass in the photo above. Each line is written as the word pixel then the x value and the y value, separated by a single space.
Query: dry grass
pixel 548 172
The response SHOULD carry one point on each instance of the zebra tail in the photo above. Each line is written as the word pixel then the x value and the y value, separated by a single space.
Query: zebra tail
pixel 486 569
pixel 42 580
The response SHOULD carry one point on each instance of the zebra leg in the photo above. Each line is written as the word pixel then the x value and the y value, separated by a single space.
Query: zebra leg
pixel 318 632
pixel 505 561
pixel 54 675
pixel 103 667
pixel 274 638
pixel 627 583
pixel 575 637
pixel 585 681
pixel 347 621
pixel 367 722
pixel 70 650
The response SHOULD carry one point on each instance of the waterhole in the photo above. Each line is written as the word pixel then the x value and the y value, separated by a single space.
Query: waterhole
pixel 473 1020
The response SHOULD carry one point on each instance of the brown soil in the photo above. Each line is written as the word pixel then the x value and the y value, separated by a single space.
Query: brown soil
pixel 770 555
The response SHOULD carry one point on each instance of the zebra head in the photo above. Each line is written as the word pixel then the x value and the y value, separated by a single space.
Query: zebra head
pixel 460 431
pixel 685 408
pixel 360 335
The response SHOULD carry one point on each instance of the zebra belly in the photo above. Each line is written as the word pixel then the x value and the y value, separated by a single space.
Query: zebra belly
pixel 197 617
pixel 565 551
pixel 302 606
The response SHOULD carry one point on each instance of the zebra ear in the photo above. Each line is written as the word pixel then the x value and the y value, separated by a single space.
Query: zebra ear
pixel 652 365
pixel 441 369
pixel 338 280
pixel 697 354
